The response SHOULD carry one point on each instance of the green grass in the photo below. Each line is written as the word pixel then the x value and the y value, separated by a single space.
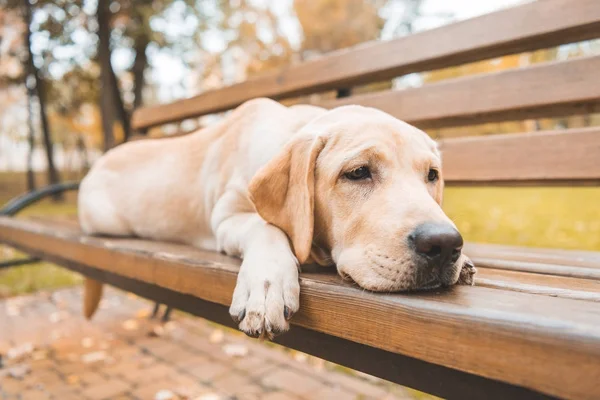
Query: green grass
pixel 42 275
pixel 567 218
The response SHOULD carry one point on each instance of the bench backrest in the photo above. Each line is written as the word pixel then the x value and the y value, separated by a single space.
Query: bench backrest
pixel 552 89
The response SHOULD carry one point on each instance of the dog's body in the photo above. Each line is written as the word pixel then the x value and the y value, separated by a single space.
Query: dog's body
pixel 254 186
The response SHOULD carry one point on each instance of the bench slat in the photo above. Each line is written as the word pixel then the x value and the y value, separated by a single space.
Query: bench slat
pixel 540 24
pixel 548 285
pixel 548 90
pixel 563 157
pixel 548 344
pixel 502 253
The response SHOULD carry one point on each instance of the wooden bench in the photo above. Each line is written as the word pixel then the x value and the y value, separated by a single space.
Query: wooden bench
pixel 529 328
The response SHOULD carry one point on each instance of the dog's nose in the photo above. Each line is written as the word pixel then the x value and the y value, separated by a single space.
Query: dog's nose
pixel 438 242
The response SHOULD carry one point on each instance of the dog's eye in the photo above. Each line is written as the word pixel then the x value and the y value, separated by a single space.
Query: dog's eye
pixel 358 174
pixel 433 175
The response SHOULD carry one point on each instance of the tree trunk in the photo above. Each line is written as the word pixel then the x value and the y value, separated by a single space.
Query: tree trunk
pixel 107 108
pixel 30 138
pixel 139 67
pixel 122 113
pixel 41 94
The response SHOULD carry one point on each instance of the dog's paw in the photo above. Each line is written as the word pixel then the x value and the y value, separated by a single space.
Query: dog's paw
pixel 467 273
pixel 263 303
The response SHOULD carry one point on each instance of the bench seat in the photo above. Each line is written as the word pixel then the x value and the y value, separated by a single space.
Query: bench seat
pixel 529 308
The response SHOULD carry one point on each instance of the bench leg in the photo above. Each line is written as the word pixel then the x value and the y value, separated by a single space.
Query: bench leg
pixel 166 315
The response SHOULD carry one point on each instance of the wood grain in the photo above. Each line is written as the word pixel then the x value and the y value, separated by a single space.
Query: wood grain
pixel 548 285
pixel 537 25
pixel 575 258
pixel 549 344
pixel 560 156
pixel 547 90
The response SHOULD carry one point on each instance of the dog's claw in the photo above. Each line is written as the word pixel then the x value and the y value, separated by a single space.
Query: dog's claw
pixel 252 334
pixel 287 314
pixel 239 317
pixel 467 273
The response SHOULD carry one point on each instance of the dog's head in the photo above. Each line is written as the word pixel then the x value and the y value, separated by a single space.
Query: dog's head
pixel 361 189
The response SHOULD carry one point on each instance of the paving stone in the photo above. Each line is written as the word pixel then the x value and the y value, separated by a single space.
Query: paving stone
pixel 106 390
pixel 291 381
pixel 336 393
pixel 150 374
pixel 279 396
pixel 130 364
pixel 358 385
pixel 208 371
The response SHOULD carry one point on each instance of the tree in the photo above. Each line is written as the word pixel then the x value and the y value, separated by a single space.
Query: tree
pixel 32 70
pixel 107 76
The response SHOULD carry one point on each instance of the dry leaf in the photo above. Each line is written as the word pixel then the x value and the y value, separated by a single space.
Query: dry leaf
pixel 19 371
pixel 170 326
pixel 12 311
pixel 208 396
pixel 235 350
pixel 319 364
pixel 130 325
pixel 87 342
pixel 58 316
pixel 164 395
pixel 142 313
pixel 39 355
pixel 216 336
pixel 73 379
pixel 157 331
pixel 301 357
pixel 55 334
pixel 93 357
pixel 21 351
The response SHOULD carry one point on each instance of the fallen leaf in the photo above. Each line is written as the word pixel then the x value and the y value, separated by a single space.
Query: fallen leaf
pixel 39 355
pixel 93 357
pixel 20 351
pixel 319 364
pixel 235 350
pixel 157 331
pixel 58 316
pixel 56 334
pixel 164 395
pixel 73 379
pixel 208 396
pixel 12 311
pixel 170 326
pixel 142 313
pixel 301 357
pixel 130 325
pixel 19 371
pixel 216 336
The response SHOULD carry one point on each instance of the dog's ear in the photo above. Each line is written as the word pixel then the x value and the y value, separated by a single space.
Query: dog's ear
pixel 283 192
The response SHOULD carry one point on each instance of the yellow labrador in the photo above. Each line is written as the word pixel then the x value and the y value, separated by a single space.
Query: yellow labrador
pixel 282 186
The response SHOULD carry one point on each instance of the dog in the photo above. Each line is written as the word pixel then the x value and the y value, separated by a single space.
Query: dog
pixel 283 186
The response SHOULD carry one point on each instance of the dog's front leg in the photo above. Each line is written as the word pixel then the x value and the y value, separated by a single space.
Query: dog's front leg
pixel 267 290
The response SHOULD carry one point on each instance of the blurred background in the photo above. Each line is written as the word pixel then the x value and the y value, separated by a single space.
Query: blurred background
pixel 56 55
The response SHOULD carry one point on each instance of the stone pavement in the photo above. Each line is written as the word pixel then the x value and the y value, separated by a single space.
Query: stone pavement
pixel 50 352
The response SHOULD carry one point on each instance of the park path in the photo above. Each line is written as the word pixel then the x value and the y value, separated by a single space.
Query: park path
pixel 50 352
